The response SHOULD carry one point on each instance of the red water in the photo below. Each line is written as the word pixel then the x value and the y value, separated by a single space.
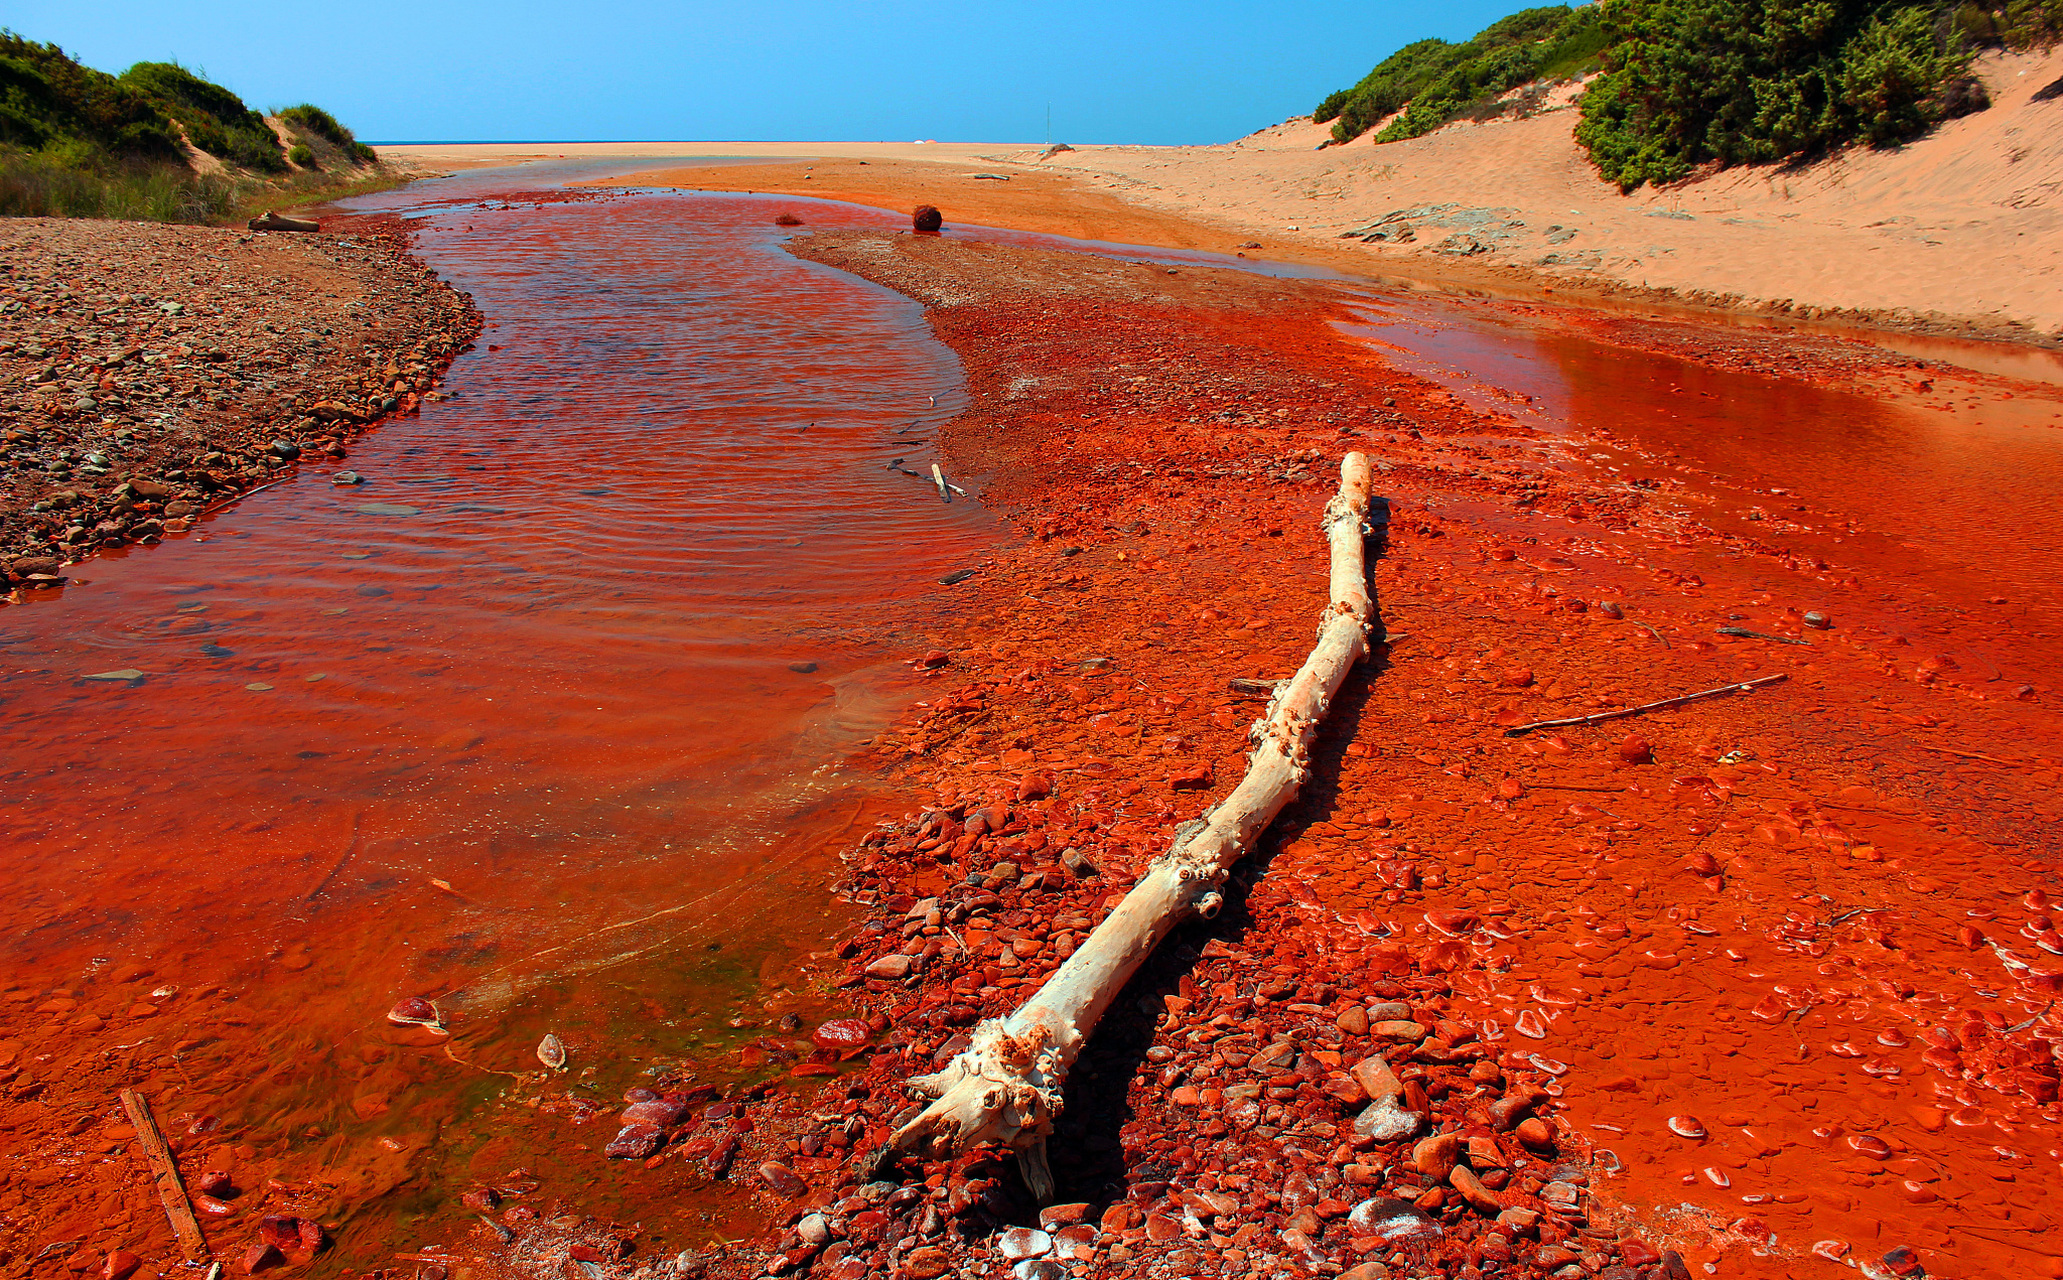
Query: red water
pixel 514 724
pixel 526 737
pixel 1940 498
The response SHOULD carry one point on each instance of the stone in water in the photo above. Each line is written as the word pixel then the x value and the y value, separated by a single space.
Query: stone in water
pixel 551 1051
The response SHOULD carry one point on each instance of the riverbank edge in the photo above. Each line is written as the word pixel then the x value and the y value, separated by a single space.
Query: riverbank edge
pixel 158 482
pixel 1411 269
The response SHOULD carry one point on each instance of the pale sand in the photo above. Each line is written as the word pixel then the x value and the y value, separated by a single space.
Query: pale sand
pixel 1962 229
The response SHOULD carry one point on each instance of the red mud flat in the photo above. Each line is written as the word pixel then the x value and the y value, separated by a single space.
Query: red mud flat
pixel 1756 986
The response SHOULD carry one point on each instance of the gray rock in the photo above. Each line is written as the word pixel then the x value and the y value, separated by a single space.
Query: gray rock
pixel 1385 1121
pixel 1024 1242
pixel 1392 1219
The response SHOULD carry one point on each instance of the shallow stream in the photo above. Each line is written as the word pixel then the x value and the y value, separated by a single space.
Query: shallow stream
pixel 547 719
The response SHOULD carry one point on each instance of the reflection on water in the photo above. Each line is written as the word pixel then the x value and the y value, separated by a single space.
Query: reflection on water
pixel 1956 504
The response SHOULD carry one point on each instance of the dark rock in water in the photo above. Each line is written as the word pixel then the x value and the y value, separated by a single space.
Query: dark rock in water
pixel 927 218
pixel 634 1142
pixel 841 1034
pixel 958 575
pixel 413 1011
pixel 216 651
pixel 787 220
pixel 802 668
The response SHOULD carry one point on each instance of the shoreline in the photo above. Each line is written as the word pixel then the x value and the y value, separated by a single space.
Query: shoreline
pixel 146 390
pixel 1057 204
pixel 1949 237
pixel 1530 903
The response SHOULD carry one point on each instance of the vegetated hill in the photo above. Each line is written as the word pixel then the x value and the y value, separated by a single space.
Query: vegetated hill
pixel 157 142
pixel 1685 83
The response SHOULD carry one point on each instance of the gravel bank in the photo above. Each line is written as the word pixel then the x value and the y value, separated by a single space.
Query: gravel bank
pixel 149 372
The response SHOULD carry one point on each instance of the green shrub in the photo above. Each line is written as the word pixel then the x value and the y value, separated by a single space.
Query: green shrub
pixel 76 142
pixel 1441 81
pixel 314 123
pixel 1691 82
pixel 215 120
pixel 45 96
pixel 321 123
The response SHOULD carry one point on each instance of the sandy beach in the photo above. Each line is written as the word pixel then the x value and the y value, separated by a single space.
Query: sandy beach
pixel 1956 233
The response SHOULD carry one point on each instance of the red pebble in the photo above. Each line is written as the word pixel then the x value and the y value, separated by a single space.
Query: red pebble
pixel 936 658
pixel 1635 750
pixel 280 1231
pixel 214 1183
pixel 413 1011
pixel 841 1034
pixel 119 1265
pixel 260 1257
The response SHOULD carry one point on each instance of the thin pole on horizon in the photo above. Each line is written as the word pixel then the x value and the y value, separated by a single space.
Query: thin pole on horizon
pixel 1049 124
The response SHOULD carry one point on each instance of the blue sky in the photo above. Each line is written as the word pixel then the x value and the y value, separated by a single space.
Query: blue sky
pixel 752 69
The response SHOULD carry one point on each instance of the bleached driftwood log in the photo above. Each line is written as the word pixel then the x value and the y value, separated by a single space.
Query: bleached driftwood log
pixel 1006 1087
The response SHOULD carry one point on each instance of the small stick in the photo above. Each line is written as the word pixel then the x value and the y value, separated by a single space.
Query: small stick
pixel 171 1189
pixel 1255 688
pixel 1521 731
pixel 1972 755
pixel 1650 630
pixel 1758 635
pixel 938 478
pixel 350 846
pixel 235 498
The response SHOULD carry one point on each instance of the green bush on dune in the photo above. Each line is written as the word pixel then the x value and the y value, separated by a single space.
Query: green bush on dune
pixel 1438 80
pixel 215 120
pixel 1691 82
pixel 76 142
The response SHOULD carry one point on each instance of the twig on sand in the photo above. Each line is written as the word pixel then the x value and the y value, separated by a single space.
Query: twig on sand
pixel 1520 731
pixel 350 846
pixel 1650 630
pixel 1760 635
pixel 1972 755
pixel 158 1155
